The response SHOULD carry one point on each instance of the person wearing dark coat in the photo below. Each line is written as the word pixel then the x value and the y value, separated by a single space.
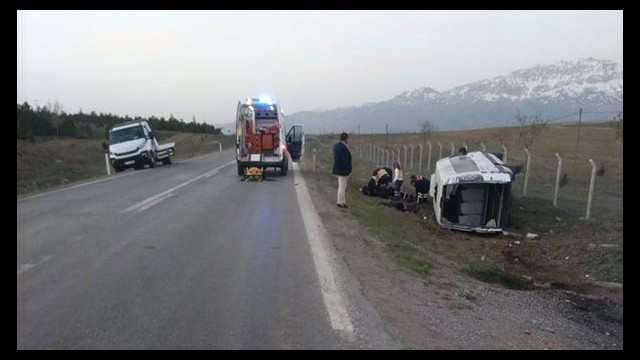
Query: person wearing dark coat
pixel 422 187
pixel 342 167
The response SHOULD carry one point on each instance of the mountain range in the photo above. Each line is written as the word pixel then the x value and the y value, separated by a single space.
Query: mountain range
pixel 555 91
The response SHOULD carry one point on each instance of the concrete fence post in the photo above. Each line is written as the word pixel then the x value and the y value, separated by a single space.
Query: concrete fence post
pixel 429 160
pixel 404 163
pixel 388 158
pixel 592 184
pixel 411 147
pixel 375 153
pixel 526 175
pixel 420 159
pixel 372 153
pixel 483 148
pixel 465 146
pixel 220 146
pixel 555 194
pixel 398 152
pixel 106 161
pixel 504 158
pixel 440 156
pixel 314 160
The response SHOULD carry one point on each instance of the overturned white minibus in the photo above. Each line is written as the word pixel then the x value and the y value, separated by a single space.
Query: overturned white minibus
pixel 472 192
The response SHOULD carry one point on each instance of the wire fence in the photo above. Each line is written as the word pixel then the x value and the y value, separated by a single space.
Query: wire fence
pixel 567 189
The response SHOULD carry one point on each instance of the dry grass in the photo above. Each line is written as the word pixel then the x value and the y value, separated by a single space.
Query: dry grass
pixel 569 251
pixel 52 163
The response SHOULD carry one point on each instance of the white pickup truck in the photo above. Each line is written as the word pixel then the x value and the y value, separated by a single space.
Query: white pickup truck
pixel 133 144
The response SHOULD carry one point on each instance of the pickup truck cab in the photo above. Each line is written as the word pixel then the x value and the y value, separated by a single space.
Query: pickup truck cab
pixel 133 144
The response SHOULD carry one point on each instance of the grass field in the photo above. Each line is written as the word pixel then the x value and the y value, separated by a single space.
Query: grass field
pixel 570 251
pixel 52 163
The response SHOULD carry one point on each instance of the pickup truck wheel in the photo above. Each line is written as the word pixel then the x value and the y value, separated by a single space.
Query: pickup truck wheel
pixel 118 168
pixel 284 167
pixel 152 159
pixel 166 161
pixel 240 170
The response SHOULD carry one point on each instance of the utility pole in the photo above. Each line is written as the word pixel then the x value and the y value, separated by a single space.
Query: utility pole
pixel 575 156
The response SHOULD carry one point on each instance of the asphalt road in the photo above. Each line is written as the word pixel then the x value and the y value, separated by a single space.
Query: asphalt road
pixel 183 256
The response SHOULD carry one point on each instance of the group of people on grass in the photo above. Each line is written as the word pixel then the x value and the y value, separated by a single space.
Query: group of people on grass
pixel 384 182
pixel 387 183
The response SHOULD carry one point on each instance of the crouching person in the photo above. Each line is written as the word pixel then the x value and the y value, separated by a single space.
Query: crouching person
pixel 382 177
pixel 422 187
pixel 370 189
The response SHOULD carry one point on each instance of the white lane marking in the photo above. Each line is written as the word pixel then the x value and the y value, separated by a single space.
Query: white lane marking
pixel 152 200
pixel 28 266
pixel 322 257
pixel 213 173
pixel 83 184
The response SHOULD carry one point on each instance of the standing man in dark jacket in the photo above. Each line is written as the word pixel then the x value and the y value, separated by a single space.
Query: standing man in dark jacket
pixel 342 167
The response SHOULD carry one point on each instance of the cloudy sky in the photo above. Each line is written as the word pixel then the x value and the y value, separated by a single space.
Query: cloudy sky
pixel 201 63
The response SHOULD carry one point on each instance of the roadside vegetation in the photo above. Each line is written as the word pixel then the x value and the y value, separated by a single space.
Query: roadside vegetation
pixel 567 252
pixel 49 163
pixel 51 120
pixel 56 148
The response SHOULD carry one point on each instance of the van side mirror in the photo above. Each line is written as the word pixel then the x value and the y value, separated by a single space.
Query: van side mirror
pixel 105 146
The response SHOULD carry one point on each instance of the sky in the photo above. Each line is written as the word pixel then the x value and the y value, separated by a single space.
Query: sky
pixel 201 63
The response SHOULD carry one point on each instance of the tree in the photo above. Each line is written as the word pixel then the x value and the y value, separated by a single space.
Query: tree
pixel 56 116
pixel 426 127
pixel 531 128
